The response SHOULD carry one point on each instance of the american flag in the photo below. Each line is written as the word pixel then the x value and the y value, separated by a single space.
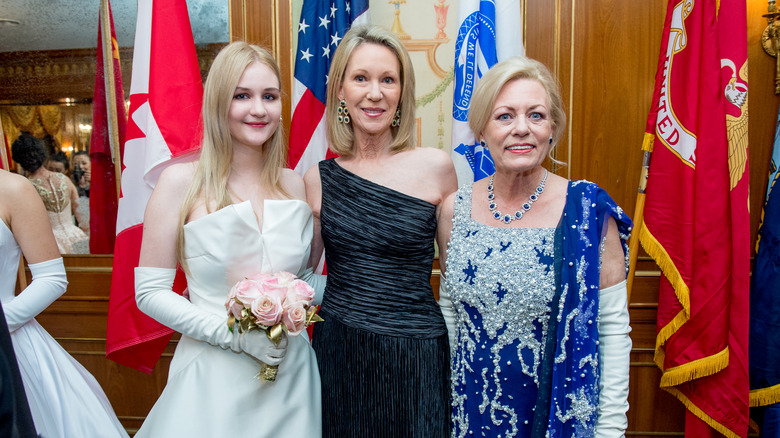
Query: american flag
pixel 322 25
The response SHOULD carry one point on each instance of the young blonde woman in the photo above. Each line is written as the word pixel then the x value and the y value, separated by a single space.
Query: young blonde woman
pixel 233 213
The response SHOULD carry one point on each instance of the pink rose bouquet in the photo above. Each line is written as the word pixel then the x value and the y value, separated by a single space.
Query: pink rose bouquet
pixel 277 303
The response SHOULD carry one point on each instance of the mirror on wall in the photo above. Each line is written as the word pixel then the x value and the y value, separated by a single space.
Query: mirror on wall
pixel 47 65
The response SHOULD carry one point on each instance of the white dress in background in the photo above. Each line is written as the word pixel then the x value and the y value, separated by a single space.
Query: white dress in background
pixel 65 399
pixel 213 392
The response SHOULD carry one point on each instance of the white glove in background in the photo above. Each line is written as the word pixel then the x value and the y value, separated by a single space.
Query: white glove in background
pixel 448 312
pixel 48 283
pixel 614 358
pixel 317 282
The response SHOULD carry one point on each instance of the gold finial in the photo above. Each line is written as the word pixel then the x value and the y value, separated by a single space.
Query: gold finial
pixel 770 39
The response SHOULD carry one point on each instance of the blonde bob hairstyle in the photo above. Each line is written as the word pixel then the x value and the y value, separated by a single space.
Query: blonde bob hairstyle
pixel 209 183
pixel 491 84
pixel 341 136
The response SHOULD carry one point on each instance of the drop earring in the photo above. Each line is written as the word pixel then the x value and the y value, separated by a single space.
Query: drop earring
pixel 343 112
pixel 551 139
pixel 397 118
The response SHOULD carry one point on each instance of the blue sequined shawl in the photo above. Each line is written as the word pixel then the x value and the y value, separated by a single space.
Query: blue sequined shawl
pixel 567 404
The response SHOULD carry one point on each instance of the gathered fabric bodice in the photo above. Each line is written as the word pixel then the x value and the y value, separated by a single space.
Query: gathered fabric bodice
pixel 379 249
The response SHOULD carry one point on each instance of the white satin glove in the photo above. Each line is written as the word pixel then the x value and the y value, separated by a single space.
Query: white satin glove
pixel 256 343
pixel 155 297
pixel 317 282
pixel 448 312
pixel 614 354
pixel 48 283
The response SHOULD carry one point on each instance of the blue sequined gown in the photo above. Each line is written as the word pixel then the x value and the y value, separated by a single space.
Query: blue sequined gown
pixel 501 282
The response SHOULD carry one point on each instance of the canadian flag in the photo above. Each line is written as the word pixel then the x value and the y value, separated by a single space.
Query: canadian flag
pixel 164 127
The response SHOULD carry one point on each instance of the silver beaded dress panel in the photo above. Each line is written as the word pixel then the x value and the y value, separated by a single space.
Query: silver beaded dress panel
pixel 501 282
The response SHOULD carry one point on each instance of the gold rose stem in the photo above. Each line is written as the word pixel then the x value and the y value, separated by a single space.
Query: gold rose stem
pixel 268 372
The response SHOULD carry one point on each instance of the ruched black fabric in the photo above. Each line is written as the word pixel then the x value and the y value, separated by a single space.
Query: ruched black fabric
pixel 383 350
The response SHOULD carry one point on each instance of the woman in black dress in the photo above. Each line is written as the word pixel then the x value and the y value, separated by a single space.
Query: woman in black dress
pixel 383 350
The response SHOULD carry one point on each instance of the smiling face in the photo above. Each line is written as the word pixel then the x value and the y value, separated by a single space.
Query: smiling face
pixel 82 161
pixel 519 129
pixel 256 106
pixel 371 88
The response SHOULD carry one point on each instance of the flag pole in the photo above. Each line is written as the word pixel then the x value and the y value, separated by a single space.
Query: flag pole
pixel 108 78
pixel 7 166
pixel 639 210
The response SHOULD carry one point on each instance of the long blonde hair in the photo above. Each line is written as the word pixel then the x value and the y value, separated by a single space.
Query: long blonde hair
pixel 210 180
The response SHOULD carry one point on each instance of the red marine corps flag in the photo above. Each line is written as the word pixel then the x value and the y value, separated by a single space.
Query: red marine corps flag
pixel 696 221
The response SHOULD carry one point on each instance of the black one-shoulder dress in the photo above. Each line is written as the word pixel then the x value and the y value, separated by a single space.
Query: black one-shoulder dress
pixel 383 350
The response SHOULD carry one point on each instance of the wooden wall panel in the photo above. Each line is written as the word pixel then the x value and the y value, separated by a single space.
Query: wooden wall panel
pixel 762 108
pixel 616 45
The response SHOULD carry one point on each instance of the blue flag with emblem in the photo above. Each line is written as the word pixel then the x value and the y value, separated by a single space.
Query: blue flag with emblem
pixel 764 346
pixel 489 31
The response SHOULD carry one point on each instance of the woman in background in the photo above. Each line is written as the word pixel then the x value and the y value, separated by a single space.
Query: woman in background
pixel 59 195
pixel 64 398
pixel 382 350
pixel 82 172
pixel 535 269
pixel 82 176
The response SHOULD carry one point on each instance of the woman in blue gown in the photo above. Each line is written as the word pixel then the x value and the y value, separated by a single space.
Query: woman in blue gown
pixel 534 290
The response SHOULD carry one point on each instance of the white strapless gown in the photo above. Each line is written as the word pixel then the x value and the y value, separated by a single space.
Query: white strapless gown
pixel 65 399
pixel 212 392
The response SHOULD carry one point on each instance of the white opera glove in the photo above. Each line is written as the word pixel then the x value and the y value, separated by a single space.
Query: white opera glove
pixel 48 283
pixel 614 353
pixel 317 282
pixel 448 312
pixel 257 344
pixel 155 297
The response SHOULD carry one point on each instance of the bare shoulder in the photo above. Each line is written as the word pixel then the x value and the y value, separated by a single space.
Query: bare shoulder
pixel 14 185
pixel 292 183
pixel 16 188
pixel 434 157
pixel 447 210
pixel 177 178
pixel 312 176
